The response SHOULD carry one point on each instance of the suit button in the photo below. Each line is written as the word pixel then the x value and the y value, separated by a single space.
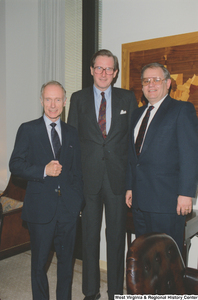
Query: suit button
pixel 103 158
pixel 103 145
pixel 138 165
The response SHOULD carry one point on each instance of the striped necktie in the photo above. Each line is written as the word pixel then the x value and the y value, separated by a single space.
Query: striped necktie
pixel 102 116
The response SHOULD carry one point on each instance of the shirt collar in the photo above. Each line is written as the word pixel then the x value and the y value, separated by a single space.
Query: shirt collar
pixel 48 121
pixel 157 104
pixel 97 92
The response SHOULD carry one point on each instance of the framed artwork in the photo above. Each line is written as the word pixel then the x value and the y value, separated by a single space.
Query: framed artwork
pixel 178 53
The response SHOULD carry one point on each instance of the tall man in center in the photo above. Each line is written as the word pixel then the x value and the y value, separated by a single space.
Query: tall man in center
pixel 102 114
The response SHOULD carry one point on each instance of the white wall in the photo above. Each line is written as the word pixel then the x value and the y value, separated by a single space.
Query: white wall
pixel 19 96
pixel 125 21
pixel 3 133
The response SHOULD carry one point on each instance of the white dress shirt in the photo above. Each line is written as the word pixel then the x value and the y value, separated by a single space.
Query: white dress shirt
pixel 152 114
pixel 49 128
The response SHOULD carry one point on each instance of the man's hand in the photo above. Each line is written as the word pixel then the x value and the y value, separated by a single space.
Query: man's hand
pixel 53 168
pixel 128 198
pixel 184 205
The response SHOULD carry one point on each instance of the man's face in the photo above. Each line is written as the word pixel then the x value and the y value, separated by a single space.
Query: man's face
pixel 53 102
pixel 103 81
pixel 154 92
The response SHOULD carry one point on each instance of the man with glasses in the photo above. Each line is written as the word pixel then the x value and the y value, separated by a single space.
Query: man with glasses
pixel 162 171
pixel 102 115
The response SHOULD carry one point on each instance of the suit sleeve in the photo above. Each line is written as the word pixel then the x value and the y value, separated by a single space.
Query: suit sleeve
pixel 77 168
pixel 73 112
pixel 20 162
pixel 187 133
pixel 129 171
pixel 130 157
pixel 133 105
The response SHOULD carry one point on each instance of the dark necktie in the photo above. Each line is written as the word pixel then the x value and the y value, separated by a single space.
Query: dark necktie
pixel 102 116
pixel 55 141
pixel 142 130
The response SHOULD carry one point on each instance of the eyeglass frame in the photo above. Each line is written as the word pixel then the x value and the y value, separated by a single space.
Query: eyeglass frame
pixel 153 79
pixel 102 70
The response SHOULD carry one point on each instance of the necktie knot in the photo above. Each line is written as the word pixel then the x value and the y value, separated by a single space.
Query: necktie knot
pixel 150 108
pixel 53 125
pixel 103 97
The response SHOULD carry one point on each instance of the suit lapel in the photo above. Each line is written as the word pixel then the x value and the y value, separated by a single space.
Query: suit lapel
pixel 154 126
pixel 65 141
pixel 44 139
pixel 90 109
pixel 135 118
pixel 115 110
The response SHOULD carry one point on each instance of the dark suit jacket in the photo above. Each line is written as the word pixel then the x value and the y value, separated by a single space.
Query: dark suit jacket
pixel 168 164
pixel 32 152
pixel 97 152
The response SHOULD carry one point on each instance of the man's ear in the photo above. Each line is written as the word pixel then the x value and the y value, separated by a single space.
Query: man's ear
pixel 168 83
pixel 115 73
pixel 41 99
pixel 91 70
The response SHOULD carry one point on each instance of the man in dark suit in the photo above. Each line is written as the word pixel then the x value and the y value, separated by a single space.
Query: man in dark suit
pixel 162 171
pixel 104 133
pixel 47 155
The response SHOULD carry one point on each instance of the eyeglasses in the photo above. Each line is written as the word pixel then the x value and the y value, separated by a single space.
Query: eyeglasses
pixel 155 80
pixel 99 70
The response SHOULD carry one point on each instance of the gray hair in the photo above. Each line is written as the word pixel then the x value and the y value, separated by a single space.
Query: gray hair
pixel 52 82
pixel 153 66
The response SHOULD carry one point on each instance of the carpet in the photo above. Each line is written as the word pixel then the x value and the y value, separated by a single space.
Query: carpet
pixel 15 282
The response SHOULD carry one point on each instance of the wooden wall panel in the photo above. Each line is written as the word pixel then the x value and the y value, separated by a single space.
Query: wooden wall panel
pixel 178 53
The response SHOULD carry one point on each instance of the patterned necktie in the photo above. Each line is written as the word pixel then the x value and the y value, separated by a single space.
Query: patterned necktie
pixel 102 116
pixel 55 141
pixel 142 130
